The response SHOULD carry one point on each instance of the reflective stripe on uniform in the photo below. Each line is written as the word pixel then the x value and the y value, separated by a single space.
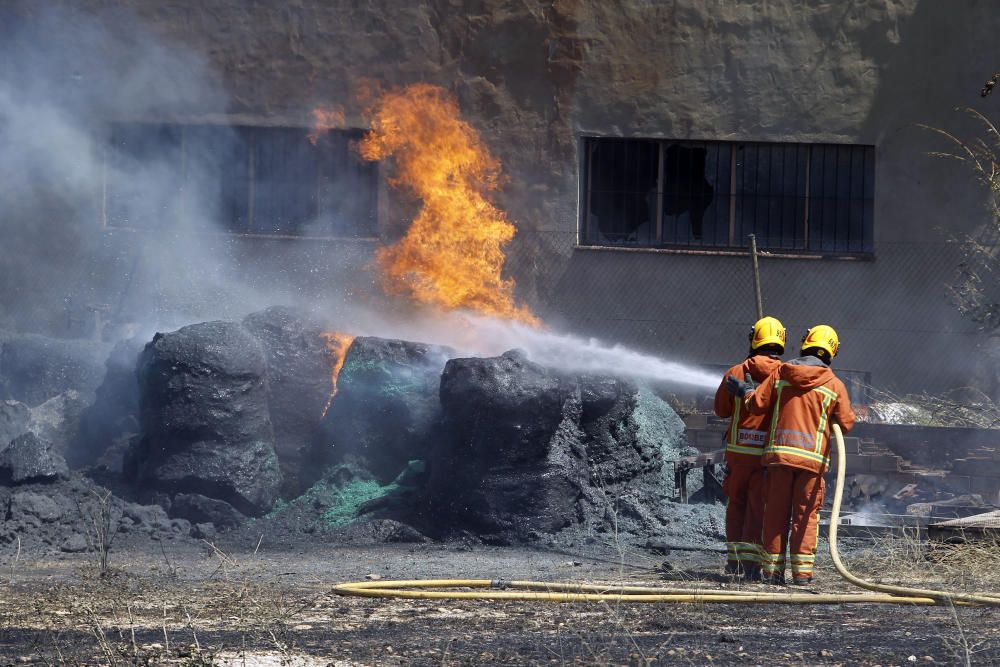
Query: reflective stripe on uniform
pixel 811 445
pixel 829 397
pixel 795 451
pixel 778 386
pixel 734 424
pixel 738 449
pixel 742 440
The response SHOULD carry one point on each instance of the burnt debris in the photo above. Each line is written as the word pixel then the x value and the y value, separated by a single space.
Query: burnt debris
pixel 224 424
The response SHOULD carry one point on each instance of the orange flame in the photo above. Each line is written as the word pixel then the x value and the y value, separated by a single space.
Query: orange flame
pixel 452 254
pixel 337 344
pixel 325 120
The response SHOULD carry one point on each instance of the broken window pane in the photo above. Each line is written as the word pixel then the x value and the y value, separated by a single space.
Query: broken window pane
pixel 793 197
pixel 623 196
pixel 693 214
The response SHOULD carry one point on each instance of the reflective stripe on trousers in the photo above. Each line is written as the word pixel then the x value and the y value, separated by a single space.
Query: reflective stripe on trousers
pixel 747 552
pixel 772 564
pixel 802 564
pixel 791 515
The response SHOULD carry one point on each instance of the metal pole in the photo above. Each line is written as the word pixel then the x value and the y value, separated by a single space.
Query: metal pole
pixel 756 276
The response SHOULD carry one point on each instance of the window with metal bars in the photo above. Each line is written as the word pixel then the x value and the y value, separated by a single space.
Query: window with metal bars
pixel 272 181
pixel 809 198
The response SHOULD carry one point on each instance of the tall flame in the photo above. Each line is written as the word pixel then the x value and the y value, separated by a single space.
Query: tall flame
pixel 452 254
pixel 337 345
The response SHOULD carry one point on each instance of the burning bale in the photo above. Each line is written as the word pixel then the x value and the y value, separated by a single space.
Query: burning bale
pixel 205 419
pixel 386 406
pixel 502 448
pixel 298 383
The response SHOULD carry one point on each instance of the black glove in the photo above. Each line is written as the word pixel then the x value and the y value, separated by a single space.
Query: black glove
pixel 741 389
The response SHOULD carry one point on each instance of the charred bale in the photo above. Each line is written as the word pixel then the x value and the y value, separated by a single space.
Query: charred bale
pixel 298 381
pixel 28 458
pixel 114 415
pixel 512 461
pixel 58 420
pixel 14 419
pixel 204 417
pixel 386 406
pixel 526 451
pixel 199 509
pixel 35 368
pixel 25 456
pixel 42 518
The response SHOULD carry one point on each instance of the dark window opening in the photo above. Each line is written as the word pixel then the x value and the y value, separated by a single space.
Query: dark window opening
pixel 243 180
pixel 812 198
pixel 623 187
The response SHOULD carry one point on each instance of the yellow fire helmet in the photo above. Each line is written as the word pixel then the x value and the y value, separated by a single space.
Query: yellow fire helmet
pixel 767 331
pixel 822 336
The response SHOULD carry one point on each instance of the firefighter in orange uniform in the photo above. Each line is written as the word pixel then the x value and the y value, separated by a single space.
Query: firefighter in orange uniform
pixel 802 397
pixel 745 442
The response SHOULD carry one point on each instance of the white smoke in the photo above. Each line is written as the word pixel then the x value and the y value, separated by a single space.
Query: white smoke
pixel 57 108
pixel 88 224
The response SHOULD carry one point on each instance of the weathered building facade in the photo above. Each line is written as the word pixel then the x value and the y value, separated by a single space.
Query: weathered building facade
pixel 797 121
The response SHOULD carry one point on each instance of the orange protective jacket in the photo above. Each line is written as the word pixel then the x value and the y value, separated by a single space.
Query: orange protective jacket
pixel 747 433
pixel 802 396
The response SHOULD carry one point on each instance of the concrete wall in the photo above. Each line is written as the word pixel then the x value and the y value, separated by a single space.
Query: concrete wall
pixel 534 77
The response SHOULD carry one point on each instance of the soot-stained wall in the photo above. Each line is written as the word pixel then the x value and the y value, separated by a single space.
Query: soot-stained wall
pixel 534 77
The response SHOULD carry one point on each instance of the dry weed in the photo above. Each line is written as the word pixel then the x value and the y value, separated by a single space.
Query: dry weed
pixel 907 558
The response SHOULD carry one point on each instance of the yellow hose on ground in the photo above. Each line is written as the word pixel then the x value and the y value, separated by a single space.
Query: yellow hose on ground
pixel 942 596
pixel 533 591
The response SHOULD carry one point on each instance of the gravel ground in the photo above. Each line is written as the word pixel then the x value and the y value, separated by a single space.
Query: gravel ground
pixel 183 602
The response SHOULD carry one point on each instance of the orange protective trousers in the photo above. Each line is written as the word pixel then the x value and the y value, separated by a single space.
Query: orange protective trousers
pixel 793 495
pixel 744 487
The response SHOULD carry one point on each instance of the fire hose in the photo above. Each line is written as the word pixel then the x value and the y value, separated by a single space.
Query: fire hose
pixel 529 591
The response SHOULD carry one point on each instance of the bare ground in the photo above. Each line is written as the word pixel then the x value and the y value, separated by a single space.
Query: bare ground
pixel 197 604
